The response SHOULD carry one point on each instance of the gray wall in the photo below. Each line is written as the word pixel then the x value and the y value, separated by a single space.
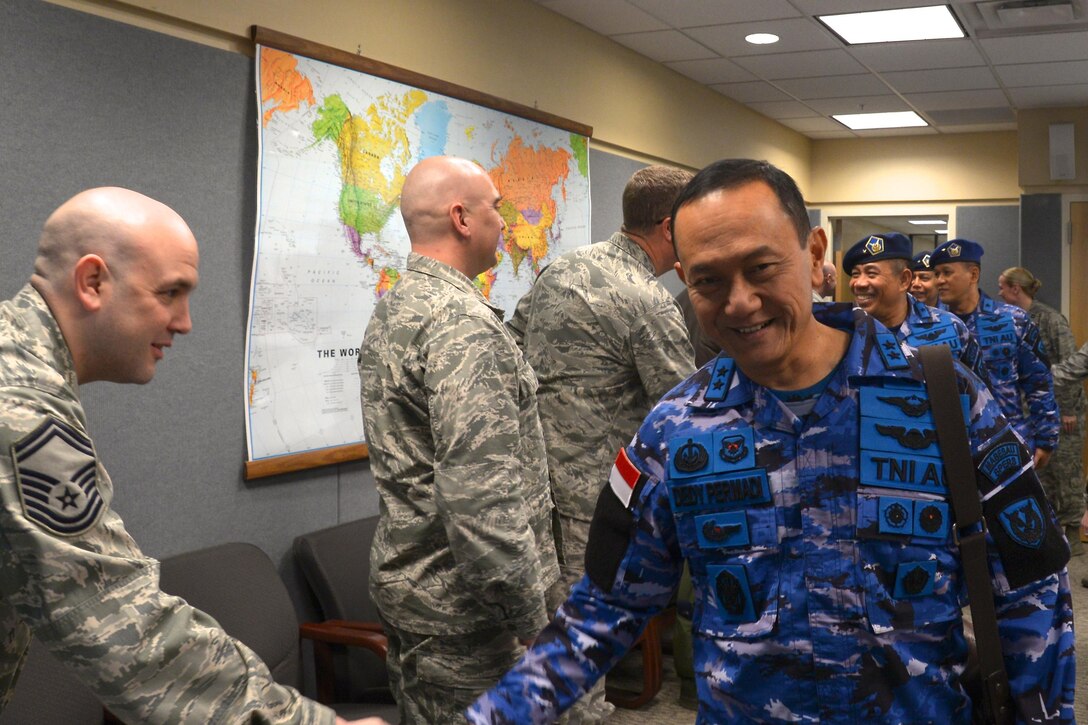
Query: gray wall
pixel 997 229
pixel 1041 245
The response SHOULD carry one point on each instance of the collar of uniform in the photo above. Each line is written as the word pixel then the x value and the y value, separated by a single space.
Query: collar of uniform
pixel 35 318
pixel 862 361
pixel 918 313
pixel 986 303
pixel 440 270
pixel 629 246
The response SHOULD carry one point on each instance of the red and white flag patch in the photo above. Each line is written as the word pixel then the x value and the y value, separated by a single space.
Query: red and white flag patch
pixel 624 478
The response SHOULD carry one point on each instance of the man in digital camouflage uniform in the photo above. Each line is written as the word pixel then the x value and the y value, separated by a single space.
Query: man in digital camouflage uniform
pixel 1019 372
pixel 110 291
pixel 606 341
pixel 879 280
pixel 800 478
pixel 463 552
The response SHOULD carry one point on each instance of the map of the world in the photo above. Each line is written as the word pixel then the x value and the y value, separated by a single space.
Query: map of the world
pixel 335 146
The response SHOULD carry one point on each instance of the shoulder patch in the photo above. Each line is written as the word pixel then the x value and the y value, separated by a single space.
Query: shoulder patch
pixel 1004 459
pixel 56 475
pixel 1024 523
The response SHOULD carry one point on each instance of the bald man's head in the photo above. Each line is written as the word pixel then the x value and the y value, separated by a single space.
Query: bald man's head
pixel 116 269
pixel 450 209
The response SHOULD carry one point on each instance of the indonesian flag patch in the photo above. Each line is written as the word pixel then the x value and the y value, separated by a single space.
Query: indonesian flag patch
pixel 625 478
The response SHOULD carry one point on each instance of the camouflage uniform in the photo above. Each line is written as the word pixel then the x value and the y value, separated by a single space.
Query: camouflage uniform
pixel 606 341
pixel 70 573
pixel 463 551
pixel 925 325
pixel 1017 365
pixel 1073 369
pixel 827 584
pixel 1063 476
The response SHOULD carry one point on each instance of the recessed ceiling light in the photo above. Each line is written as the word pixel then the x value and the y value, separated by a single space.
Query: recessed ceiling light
pixel 890 26
pixel 938 222
pixel 761 38
pixel 863 121
pixel 940 231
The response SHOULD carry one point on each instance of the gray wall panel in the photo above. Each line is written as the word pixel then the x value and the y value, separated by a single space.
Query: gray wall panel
pixel 997 229
pixel 1041 243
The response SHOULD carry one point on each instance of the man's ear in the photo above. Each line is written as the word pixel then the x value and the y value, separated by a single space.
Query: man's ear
pixel 680 272
pixel 459 219
pixel 90 276
pixel 817 246
pixel 905 279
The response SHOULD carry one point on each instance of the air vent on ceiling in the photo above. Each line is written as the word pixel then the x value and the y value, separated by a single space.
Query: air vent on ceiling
pixel 1006 15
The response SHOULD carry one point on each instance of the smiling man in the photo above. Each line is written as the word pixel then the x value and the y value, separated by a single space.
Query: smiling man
pixel 827 588
pixel 923 285
pixel 880 279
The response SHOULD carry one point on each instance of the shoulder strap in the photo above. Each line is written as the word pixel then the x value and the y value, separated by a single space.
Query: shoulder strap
pixel 969 530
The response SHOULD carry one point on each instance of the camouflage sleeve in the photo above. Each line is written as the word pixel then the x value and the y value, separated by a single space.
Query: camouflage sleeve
pixel 595 626
pixel 473 393
pixel 87 592
pixel 662 350
pixel 517 324
pixel 1073 369
pixel 1037 386
pixel 1066 393
pixel 1028 555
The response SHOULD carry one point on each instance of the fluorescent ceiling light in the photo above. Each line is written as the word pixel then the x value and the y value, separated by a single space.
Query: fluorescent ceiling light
pixel 863 121
pixel 761 38
pixel 890 26
pixel 940 231
pixel 926 221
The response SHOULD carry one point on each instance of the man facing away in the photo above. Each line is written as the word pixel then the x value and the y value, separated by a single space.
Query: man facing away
pixel 606 341
pixel 824 590
pixel 879 280
pixel 110 291
pixel 463 552
pixel 1012 350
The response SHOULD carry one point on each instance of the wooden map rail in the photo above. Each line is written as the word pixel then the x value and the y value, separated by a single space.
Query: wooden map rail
pixel 281 41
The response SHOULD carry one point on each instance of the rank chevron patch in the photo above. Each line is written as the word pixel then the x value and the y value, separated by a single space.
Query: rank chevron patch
pixel 57 478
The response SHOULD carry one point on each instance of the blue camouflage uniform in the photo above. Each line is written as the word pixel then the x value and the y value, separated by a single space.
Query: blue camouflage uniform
pixel 927 325
pixel 827 584
pixel 1016 362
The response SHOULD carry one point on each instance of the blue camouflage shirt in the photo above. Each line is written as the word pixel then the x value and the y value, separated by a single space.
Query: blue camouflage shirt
pixel 827 583
pixel 927 325
pixel 1017 364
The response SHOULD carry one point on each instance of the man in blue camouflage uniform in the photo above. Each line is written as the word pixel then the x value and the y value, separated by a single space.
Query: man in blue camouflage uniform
pixel 923 286
pixel 801 481
pixel 879 280
pixel 1011 347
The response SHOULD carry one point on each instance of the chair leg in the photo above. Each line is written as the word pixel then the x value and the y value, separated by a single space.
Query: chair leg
pixel 652 666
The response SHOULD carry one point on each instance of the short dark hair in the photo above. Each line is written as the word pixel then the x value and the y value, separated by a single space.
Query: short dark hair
pixel 648 196
pixel 731 173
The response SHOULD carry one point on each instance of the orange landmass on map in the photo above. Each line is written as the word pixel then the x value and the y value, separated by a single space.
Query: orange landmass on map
pixel 283 88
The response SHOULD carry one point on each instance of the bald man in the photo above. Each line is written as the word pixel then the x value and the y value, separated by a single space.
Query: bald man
pixel 463 552
pixel 109 293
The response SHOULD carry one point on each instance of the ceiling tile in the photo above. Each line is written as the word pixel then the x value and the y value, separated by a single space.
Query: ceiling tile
pixel 801 65
pixel 813 124
pixel 693 13
pixel 794 35
pixel 783 109
pixel 941 79
pixel 918 55
pixel 834 86
pixel 751 92
pixel 607 17
pixel 834 7
pixel 712 70
pixel 664 45
pixel 972 116
pixel 859 104
pixel 1052 74
pixel 1050 96
pixel 944 100
pixel 845 133
pixel 1036 48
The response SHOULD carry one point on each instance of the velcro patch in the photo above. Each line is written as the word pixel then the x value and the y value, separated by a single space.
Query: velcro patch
pixel 890 352
pixel 735 490
pixel 57 478
pixel 732 593
pixel 613 524
pixel 899 436
pixel 624 478
pixel 903 472
pixel 914 579
pixel 936 335
pixel 722 530
pixel 720 379
pixel 1004 458
pixel 1030 543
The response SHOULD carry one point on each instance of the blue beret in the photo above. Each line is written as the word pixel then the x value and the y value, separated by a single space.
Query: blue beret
pixel 876 247
pixel 921 262
pixel 957 250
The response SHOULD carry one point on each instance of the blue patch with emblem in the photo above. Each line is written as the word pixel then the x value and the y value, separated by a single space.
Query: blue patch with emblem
pixel 743 488
pixel 731 592
pixel 690 455
pixel 895 515
pixel 934 335
pixel 734 450
pixel 899 436
pixel 994 333
pixel 57 477
pixel 720 379
pixel 1004 460
pixel 903 472
pixel 895 403
pixel 890 352
pixel 931 519
pixel 1024 522
pixel 722 530
pixel 914 579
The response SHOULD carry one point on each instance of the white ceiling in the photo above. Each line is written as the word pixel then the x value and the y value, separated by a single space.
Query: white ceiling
pixel 971 84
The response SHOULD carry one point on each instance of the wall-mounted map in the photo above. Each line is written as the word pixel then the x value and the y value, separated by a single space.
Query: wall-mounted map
pixel 335 146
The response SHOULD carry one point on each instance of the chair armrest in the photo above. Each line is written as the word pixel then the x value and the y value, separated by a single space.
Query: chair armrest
pixel 368 635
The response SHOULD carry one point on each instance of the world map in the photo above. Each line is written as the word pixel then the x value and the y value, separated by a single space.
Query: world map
pixel 334 148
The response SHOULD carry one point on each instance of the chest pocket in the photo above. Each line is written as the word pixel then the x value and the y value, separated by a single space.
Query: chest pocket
pixel 997 339
pixel 728 531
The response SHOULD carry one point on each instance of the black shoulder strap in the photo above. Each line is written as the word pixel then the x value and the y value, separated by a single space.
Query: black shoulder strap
pixel 969 530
